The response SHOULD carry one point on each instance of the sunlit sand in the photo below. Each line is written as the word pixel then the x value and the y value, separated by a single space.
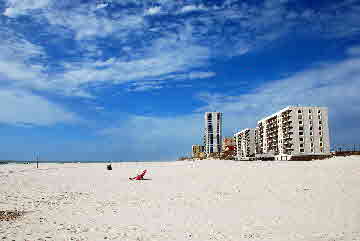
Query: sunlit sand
pixel 201 200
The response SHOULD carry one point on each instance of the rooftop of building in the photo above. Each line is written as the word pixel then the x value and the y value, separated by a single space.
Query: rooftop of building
pixel 213 112
pixel 288 108
pixel 244 130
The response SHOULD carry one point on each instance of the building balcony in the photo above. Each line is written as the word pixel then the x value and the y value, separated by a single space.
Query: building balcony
pixel 287 129
pixel 286 115
pixel 272 129
pixel 286 133
pixel 287 146
pixel 284 122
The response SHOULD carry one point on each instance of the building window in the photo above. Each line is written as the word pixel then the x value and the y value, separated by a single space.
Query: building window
pixel 302 150
pixel 320 122
pixel 300 117
pixel 311 139
pixel 312 150
pixel 320 133
pixel 321 144
pixel 310 117
pixel 299 111
pixel 301 128
pixel 311 133
pixel 301 145
pixel 301 133
pixel 321 138
pixel 319 127
pixel 319 111
pixel 321 150
pixel 301 139
pixel 311 128
pixel 300 122
pixel 319 117
pixel 310 122
pixel 312 144
pixel 310 111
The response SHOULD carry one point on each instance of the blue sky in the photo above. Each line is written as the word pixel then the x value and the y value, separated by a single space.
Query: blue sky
pixel 130 79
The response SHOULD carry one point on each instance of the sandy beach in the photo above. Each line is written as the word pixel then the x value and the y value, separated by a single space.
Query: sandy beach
pixel 202 200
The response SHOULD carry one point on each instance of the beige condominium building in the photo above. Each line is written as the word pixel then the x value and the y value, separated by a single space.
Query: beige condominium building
pixel 293 131
pixel 213 132
pixel 228 141
pixel 245 143
pixel 197 151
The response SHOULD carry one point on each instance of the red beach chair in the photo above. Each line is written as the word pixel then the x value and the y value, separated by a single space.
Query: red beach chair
pixel 139 177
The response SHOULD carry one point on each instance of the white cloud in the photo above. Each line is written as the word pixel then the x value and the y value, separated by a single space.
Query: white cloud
pixel 192 8
pixel 19 67
pixel 13 45
pixel 88 25
pixel 165 57
pixel 153 11
pixel 99 108
pixel 19 7
pixel 201 75
pixel 187 76
pixel 171 81
pixel 102 5
pixel 20 107
pixel 146 86
pixel 16 57
pixel 108 62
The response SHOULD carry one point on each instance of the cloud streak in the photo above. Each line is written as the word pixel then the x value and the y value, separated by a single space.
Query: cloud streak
pixel 23 108
pixel 146 47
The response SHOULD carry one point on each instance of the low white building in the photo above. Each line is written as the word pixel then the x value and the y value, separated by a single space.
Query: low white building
pixel 294 131
pixel 245 143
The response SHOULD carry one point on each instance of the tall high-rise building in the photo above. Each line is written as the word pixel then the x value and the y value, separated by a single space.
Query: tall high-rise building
pixel 294 130
pixel 213 132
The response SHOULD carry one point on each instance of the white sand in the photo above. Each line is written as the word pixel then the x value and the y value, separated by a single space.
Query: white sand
pixel 203 200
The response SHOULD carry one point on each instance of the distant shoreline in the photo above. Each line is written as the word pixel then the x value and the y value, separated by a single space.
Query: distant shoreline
pixel 68 162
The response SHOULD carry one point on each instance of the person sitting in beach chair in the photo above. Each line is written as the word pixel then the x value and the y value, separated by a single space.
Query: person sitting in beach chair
pixel 139 177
